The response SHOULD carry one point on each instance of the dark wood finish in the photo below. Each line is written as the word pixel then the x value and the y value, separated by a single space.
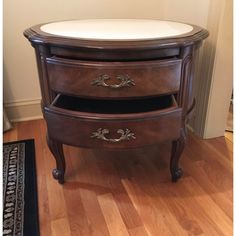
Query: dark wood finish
pixel 57 150
pixel 148 127
pixel 176 151
pixel 149 78
pixel 41 53
pixel 149 69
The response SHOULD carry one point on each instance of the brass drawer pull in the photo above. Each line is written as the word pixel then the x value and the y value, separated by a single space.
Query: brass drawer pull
pixel 125 81
pixel 125 135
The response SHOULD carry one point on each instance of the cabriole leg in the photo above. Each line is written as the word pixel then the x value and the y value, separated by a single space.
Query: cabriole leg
pixel 57 150
pixel 177 149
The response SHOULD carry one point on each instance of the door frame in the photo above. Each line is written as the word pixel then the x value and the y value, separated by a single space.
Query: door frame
pixel 214 82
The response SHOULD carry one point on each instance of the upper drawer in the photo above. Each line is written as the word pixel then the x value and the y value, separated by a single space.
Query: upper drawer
pixel 114 79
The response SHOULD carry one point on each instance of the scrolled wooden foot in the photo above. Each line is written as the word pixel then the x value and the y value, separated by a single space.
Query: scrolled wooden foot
pixel 57 150
pixel 177 174
pixel 177 149
pixel 58 175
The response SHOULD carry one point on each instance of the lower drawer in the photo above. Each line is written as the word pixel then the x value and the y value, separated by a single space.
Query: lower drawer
pixel 113 124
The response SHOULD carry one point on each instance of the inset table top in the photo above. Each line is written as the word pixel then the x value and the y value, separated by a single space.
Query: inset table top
pixel 117 29
pixel 112 34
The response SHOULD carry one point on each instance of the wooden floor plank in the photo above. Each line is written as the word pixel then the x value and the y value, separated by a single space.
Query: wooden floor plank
pixel 153 219
pixel 43 206
pixel 138 231
pixel 57 205
pixel 129 192
pixel 75 210
pixel 220 197
pixel 217 168
pixel 229 136
pixel 225 147
pixel 111 180
pixel 60 227
pixel 214 212
pixel 188 212
pixel 146 187
pixel 56 201
pixel 88 187
pixel 112 215
pixel 207 151
pixel 11 135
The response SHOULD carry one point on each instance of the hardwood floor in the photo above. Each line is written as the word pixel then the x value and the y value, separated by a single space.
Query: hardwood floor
pixel 229 135
pixel 129 192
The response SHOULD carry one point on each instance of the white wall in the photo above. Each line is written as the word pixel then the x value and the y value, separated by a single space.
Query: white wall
pixel 222 78
pixel 191 11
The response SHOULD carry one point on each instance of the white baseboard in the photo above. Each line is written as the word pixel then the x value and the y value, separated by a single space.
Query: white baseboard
pixel 23 110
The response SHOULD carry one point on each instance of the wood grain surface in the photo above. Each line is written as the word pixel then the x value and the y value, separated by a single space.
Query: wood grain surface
pixel 149 78
pixel 129 192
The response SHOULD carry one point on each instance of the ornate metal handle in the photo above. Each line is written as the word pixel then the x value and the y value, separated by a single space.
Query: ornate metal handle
pixel 125 135
pixel 125 81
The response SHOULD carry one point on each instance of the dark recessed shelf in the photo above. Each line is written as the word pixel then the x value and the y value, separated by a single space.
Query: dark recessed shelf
pixel 113 106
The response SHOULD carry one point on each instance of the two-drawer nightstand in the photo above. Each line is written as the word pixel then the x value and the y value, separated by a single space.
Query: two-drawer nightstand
pixel 116 83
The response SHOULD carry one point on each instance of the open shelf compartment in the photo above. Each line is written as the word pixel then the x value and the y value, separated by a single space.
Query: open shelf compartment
pixel 114 106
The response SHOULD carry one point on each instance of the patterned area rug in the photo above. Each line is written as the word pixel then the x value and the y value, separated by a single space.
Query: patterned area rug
pixel 20 210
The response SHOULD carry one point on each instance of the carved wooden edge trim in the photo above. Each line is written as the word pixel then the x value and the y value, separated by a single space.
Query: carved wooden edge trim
pixel 36 36
pixel 41 54
pixel 184 98
pixel 47 94
pixel 185 77
pixel 43 84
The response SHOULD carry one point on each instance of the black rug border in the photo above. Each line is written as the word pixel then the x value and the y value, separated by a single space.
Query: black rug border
pixel 31 220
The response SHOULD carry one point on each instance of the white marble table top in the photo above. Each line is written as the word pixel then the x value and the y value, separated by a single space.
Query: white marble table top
pixel 117 29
